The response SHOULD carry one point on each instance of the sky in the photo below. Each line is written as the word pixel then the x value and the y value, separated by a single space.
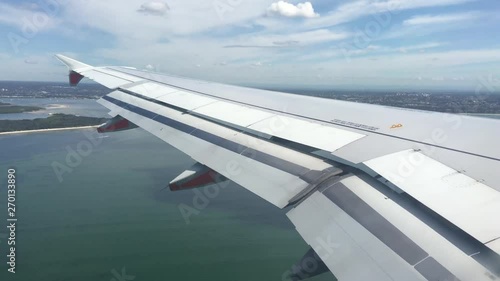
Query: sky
pixel 357 44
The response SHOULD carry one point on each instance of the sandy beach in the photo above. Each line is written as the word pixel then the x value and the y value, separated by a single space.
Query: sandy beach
pixel 56 106
pixel 47 130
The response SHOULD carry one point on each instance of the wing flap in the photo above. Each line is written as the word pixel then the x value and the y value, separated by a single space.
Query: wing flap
pixel 266 169
pixel 466 202
pixel 351 219
pixel 339 240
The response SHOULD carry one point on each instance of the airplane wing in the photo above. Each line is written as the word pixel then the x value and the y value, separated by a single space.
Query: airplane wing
pixel 379 193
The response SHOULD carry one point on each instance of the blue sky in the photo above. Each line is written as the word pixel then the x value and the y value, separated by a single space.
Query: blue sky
pixel 359 44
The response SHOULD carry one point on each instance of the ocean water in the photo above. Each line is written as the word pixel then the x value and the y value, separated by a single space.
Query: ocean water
pixel 111 215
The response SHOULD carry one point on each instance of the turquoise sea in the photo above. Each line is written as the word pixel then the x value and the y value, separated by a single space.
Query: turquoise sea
pixel 111 219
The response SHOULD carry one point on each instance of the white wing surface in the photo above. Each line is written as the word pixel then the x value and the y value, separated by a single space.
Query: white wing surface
pixel 379 193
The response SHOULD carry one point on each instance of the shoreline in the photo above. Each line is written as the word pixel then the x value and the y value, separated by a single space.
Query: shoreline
pixel 48 130
pixel 479 114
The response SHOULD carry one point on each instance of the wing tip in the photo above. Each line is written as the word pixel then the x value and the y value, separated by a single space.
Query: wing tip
pixel 74 68
pixel 72 64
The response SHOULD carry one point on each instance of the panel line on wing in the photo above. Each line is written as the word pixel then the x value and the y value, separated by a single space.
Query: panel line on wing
pixel 381 228
pixel 464 201
pixel 262 157
pixel 463 241
pixel 386 232
pixel 320 136
pixel 430 144
pixel 110 73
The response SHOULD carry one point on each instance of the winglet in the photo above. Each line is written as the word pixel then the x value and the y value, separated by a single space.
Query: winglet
pixel 74 68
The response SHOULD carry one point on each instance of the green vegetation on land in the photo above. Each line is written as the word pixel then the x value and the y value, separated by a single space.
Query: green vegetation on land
pixel 6 108
pixel 52 122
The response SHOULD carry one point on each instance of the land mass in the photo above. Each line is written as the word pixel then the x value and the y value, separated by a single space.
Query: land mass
pixel 459 103
pixel 7 108
pixel 453 101
pixel 54 121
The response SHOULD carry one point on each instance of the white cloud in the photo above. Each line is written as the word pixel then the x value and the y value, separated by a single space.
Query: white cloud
pixel 373 50
pixel 190 39
pixel 26 18
pixel 282 8
pixel 30 61
pixel 35 68
pixel 289 40
pixel 286 43
pixel 353 10
pixel 420 47
pixel 439 19
pixel 156 8
pixel 435 60
pixel 184 17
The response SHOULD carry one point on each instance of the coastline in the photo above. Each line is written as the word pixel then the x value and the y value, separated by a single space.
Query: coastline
pixel 493 116
pixel 48 130
pixel 481 114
